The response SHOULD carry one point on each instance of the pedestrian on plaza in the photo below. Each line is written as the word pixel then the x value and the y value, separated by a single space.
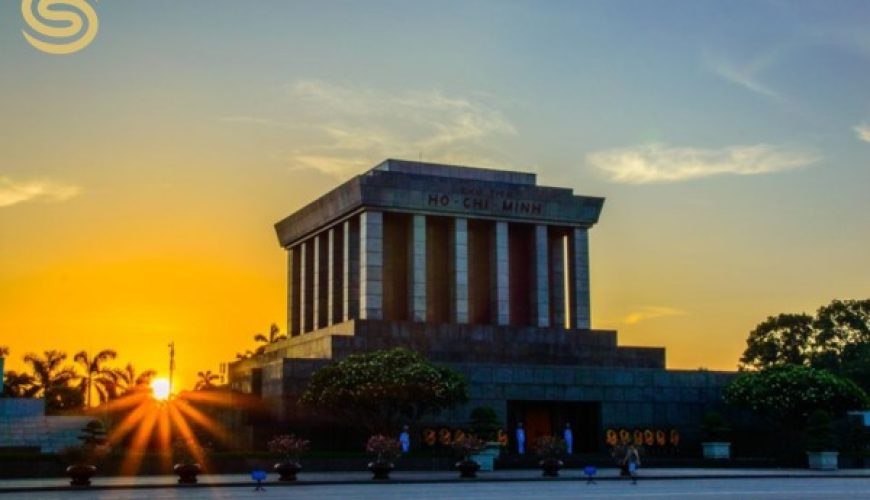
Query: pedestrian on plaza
pixel 521 439
pixel 405 439
pixel 568 435
pixel 632 462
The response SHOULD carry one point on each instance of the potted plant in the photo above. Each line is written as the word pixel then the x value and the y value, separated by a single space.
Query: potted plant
pixel 79 470
pixel 485 424
pixel 385 449
pixel 186 453
pixel 820 441
pixel 82 459
pixel 467 446
pixel 716 432
pixel 290 448
pixel 550 448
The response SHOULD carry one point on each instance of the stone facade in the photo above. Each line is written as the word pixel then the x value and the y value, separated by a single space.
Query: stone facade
pixel 479 269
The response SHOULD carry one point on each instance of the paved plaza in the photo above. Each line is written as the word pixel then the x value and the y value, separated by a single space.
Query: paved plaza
pixel 422 485
pixel 761 488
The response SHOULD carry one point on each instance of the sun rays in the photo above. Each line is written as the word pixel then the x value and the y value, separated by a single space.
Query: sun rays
pixel 150 422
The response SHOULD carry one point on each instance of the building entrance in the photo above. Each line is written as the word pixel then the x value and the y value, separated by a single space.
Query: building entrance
pixel 545 418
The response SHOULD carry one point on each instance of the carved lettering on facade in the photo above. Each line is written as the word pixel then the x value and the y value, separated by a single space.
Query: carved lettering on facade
pixel 477 201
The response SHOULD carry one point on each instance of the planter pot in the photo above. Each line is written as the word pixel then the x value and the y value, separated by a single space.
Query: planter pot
pixel 80 474
pixel 187 473
pixel 822 460
pixel 467 468
pixel 486 457
pixel 551 466
pixel 380 469
pixel 287 470
pixel 717 450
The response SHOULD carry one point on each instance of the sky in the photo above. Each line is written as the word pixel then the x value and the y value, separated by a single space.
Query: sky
pixel 140 176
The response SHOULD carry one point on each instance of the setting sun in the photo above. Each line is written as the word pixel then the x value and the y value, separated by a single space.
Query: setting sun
pixel 160 389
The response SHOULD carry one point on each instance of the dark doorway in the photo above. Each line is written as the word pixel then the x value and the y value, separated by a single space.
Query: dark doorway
pixel 543 418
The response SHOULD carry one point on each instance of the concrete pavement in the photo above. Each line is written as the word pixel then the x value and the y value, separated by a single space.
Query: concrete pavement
pixel 763 488
pixel 240 481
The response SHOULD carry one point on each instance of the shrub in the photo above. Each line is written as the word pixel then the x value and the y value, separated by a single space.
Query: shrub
pixel 485 423
pixel 383 447
pixel 714 427
pixel 820 432
pixel 289 446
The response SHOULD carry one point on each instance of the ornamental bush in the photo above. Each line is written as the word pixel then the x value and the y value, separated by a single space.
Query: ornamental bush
pixel 383 389
pixel 791 393
pixel 485 423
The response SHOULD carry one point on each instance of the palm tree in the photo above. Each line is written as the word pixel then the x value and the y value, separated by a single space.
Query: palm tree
pixel 18 385
pixel 97 377
pixel 274 336
pixel 244 355
pixel 47 372
pixel 205 380
pixel 127 380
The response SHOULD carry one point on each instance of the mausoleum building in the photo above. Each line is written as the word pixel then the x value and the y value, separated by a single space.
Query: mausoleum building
pixel 480 269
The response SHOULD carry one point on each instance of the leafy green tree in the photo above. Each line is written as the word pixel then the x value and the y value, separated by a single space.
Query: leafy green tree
pixel 842 323
pixel 837 339
pixel 383 389
pixel 788 394
pixel 97 377
pixel 779 340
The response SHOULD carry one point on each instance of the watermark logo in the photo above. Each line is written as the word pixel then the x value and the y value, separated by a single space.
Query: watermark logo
pixel 63 30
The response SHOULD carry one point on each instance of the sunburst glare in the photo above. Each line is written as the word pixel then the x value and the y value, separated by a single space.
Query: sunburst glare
pixel 160 389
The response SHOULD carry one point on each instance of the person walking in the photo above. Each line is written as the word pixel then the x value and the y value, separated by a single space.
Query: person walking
pixel 632 462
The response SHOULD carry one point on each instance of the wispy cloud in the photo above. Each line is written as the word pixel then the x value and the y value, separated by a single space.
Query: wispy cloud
pixel 651 312
pixel 862 130
pixel 746 74
pixel 351 126
pixel 252 120
pixel 658 163
pixel 14 192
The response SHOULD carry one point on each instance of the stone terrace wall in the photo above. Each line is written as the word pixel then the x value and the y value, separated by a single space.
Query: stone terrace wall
pixel 485 344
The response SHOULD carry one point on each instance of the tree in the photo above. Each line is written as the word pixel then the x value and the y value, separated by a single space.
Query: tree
pixel 19 385
pixel 779 340
pixel 97 377
pixel 47 371
pixel 788 394
pixel 205 380
pixel 51 380
pixel 837 339
pixel 4 351
pixel 384 389
pixel 274 336
pixel 128 380
pixel 842 323
pixel 823 341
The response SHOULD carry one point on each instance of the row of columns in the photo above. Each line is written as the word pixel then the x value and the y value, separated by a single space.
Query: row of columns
pixel 338 275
